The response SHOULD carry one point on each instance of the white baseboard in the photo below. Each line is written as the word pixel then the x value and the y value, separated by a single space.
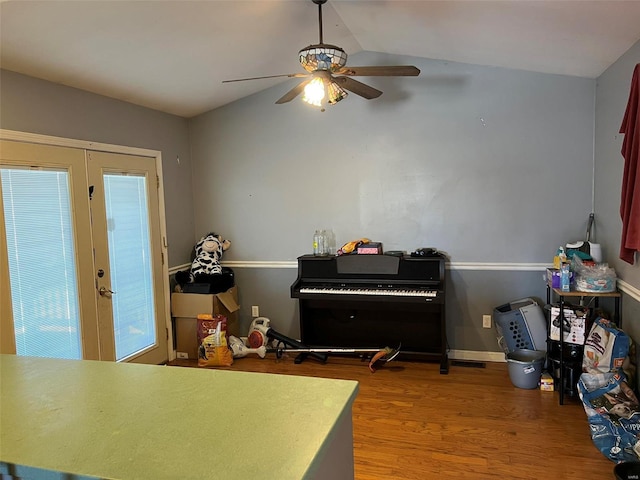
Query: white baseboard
pixel 477 356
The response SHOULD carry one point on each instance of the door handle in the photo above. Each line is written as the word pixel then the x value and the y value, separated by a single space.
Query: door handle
pixel 105 292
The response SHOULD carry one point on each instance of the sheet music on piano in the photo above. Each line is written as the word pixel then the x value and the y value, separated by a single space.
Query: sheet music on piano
pixel 374 300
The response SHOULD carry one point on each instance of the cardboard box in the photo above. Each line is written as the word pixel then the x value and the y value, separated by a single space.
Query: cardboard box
pixel 576 327
pixel 185 307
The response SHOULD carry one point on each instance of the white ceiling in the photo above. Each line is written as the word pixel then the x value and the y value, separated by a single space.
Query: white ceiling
pixel 173 55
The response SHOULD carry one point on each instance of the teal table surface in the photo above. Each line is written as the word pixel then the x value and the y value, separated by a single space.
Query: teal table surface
pixel 131 421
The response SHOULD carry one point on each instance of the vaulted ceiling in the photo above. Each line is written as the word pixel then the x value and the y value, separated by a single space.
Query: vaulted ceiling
pixel 172 56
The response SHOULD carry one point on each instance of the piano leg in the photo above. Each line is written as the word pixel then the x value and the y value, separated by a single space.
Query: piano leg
pixel 444 364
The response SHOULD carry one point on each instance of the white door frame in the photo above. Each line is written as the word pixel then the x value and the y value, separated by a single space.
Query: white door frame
pixel 105 147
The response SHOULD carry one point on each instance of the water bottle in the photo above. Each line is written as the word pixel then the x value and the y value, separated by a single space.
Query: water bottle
pixel 324 243
pixel 317 243
pixel 330 242
pixel 565 278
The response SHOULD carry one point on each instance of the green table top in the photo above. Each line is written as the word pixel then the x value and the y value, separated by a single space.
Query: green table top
pixel 131 421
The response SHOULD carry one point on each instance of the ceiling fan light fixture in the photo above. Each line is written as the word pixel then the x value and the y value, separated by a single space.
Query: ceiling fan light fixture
pixel 314 92
pixel 327 79
pixel 335 93
pixel 322 57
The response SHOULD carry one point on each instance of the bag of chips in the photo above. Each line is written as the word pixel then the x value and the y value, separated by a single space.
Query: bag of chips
pixel 213 349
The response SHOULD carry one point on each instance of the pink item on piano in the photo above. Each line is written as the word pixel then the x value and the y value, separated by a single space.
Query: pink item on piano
pixel 371 248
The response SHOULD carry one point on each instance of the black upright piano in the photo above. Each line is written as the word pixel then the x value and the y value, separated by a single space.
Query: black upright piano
pixel 374 301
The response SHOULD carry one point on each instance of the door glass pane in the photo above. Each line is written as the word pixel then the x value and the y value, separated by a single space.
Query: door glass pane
pixel 42 268
pixel 130 263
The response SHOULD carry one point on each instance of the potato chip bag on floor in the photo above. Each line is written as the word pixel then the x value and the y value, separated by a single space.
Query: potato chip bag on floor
pixel 213 350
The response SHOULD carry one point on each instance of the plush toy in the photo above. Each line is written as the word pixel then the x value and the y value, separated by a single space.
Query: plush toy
pixel 206 268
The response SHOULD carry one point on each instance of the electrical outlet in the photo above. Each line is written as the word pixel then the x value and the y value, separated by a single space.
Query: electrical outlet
pixel 255 311
pixel 486 321
pixel 182 354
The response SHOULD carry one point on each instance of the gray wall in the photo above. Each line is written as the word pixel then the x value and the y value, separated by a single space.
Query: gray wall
pixel 36 106
pixel 612 96
pixel 487 164
pixel 492 166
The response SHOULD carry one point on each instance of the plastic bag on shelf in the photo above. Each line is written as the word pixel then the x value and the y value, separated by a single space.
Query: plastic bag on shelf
pixel 596 278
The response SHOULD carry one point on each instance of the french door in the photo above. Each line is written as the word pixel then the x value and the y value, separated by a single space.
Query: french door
pixel 82 253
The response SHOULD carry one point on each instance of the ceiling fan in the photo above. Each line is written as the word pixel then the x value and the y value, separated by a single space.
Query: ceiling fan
pixel 328 78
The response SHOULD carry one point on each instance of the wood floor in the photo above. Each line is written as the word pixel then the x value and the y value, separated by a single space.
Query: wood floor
pixel 411 422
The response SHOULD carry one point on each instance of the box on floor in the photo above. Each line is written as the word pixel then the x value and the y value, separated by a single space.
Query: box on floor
pixel 575 329
pixel 185 308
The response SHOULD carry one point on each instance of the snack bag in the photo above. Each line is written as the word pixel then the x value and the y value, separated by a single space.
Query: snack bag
pixel 213 350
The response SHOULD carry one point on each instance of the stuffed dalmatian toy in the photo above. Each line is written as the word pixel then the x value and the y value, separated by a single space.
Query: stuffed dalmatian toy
pixel 206 267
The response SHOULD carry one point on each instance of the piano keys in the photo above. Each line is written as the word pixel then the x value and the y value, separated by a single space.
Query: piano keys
pixel 370 301
pixel 379 291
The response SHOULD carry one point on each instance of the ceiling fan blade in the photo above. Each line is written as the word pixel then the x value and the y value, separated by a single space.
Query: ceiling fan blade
pixel 380 71
pixel 358 88
pixel 293 93
pixel 290 75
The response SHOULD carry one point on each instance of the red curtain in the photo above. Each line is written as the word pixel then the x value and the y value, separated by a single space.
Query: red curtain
pixel 630 201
